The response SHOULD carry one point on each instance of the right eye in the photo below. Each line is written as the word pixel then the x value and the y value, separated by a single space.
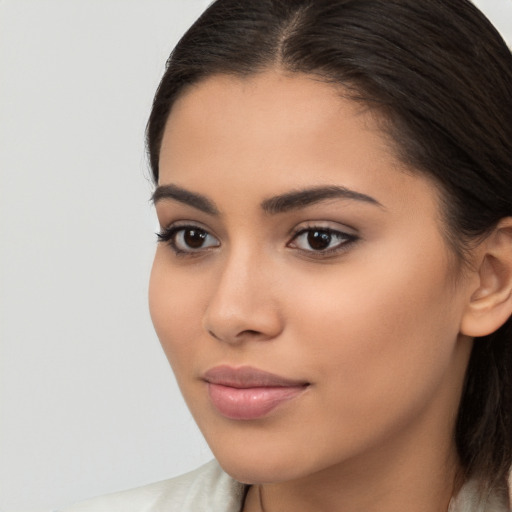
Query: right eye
pixel 185 240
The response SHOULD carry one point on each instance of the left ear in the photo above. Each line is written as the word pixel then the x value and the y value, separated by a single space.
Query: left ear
pixel 490 304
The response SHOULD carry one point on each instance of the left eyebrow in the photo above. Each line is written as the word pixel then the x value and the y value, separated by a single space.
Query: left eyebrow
pixel 184 196
pixel 306 197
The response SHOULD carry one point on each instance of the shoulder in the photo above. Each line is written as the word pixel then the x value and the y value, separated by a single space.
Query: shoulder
pixel 207 489
pixel 473 498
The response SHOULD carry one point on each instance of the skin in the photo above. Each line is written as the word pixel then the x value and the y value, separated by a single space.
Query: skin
pixel 374 328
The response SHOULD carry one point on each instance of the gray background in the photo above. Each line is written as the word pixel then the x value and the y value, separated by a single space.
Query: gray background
pixel 88 404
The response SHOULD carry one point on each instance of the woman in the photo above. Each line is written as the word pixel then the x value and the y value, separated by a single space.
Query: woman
pixel 333 286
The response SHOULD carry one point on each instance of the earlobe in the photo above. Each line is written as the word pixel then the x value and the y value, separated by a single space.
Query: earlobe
pixel 490 303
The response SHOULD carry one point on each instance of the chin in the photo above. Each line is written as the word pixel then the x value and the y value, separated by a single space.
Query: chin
pixel 253 463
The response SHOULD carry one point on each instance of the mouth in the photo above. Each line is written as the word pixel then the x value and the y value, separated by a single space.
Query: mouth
pixel 246 393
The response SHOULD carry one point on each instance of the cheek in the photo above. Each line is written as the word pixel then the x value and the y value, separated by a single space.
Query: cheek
pixel 175 306
pixel 383 333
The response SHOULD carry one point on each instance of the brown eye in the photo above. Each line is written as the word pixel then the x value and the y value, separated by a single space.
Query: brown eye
pixel 194 238
pixel 188 239
pixel 319 240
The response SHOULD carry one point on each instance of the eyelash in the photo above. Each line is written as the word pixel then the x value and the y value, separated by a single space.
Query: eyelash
pixel 168 235
pixel 346 241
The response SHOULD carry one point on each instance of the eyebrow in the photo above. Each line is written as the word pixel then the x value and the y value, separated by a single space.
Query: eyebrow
pixel 301 198
pixel 278 204
pixel 184 196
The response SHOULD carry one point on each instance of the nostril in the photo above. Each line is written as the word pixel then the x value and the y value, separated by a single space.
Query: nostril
pixel 250 332
pixel 213 335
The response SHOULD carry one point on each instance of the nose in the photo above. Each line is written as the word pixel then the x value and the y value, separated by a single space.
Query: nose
pixel 243 305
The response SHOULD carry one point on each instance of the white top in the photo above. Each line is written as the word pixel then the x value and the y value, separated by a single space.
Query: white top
pixel 210 489
pixel 207 489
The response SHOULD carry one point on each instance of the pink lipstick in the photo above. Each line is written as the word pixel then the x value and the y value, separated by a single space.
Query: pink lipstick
pixel 246 393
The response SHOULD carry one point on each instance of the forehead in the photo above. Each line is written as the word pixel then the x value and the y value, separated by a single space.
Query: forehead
pixel 271 93
pixel 266 116
pixel 265 134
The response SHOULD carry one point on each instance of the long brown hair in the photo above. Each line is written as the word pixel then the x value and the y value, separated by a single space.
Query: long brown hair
pixel 441 75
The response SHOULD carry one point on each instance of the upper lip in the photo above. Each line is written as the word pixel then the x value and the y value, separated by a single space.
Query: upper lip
pixel 248 377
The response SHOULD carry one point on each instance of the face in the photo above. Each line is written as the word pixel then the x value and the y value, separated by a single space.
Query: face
pixel 302 289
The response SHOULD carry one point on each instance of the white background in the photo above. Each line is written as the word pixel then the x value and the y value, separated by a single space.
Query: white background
pixel 88 404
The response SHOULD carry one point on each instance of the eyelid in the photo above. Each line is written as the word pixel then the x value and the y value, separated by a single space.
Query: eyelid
pixel 345 232
pixel 168 233
pixel 183 224
pixel 326 225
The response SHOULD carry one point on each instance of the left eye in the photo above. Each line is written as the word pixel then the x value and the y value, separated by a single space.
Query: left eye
pixel 193 238
pixel 320 240
pixel 188 239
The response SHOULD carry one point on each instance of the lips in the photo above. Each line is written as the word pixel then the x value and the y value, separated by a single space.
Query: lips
pixel 246 393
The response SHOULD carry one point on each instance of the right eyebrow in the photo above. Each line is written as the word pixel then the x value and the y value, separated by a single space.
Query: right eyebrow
pixel 184 196
pixel 301 198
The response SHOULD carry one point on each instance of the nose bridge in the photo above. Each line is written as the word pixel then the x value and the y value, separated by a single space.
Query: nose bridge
pixel 243 304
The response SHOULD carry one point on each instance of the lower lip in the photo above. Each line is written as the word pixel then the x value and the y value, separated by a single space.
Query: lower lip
pixel 250 403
